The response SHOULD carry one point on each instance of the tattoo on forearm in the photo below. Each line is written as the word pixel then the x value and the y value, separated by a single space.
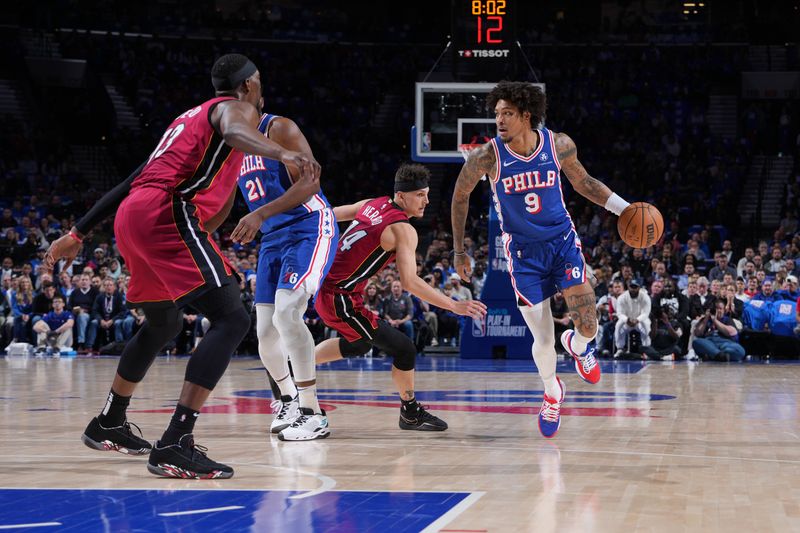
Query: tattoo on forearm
pixel 481 162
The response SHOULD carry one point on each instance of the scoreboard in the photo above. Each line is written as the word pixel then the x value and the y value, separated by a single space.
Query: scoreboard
pixel 483 35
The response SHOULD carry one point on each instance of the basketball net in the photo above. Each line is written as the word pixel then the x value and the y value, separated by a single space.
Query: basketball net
pixel 467 149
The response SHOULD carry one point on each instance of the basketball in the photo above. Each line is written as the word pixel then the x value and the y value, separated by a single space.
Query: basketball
pixel 640 225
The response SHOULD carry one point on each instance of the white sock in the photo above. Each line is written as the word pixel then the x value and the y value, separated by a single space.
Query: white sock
pixel 308 398
pixel 579 342
pixel 551 387
pixel 287 386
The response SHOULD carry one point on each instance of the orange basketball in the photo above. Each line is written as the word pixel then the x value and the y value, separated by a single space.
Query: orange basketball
pixel 640 225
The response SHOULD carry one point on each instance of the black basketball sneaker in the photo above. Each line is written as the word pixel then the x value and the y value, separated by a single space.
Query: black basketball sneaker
pixel 186 460
pixel 420 420
pixel 119 439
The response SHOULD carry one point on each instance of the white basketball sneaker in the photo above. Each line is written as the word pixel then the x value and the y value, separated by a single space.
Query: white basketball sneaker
pixel 308 426
pixel 287 410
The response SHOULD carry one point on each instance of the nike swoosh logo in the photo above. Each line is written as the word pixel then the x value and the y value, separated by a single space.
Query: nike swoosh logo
pixel 509 163
pixel 566 236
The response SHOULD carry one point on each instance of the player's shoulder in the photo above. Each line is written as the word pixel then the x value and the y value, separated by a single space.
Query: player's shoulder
pixel 483 157
pixel 565 146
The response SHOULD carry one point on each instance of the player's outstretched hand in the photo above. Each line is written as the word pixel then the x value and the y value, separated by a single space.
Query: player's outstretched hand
pixel 308 166
pixel 247 228
pixel 65 247
pixel 463 267
pixel 470 308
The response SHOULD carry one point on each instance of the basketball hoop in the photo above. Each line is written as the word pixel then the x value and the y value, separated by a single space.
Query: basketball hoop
pixel 467 149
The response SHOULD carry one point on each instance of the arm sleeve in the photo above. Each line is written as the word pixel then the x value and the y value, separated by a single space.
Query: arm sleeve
pixel 108 204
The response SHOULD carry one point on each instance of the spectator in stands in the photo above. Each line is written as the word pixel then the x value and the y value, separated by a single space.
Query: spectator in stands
pixel 81 303
pixel 749 253
pixel 776 263
pixel 22 309
pixel 665 333
pixel 398 309
pixel 43 302
pixel 55 327
pixel 607 319
pixel 372 300
pixel 7 268
pixel 655 288
pixel 789 289
pixel 722 267
pixel 668 258
pixel 734 307
pixel 717 336
pixel 108 312
pixel 741 290
pixel 702 300
pixel 460 292
pixel 638 263
pixel 767 292
pixel 693 249
pixel 683 279
pixel 633 314
pixel 65 286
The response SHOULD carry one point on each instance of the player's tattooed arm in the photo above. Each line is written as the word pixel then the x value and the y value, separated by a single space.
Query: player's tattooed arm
pixel 581 181
pixel 481 161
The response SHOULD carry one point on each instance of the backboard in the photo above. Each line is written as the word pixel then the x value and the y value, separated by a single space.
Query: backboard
pixel 449 115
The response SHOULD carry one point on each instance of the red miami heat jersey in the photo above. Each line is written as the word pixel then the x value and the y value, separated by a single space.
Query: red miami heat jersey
pixel 192 161
pixel 360 255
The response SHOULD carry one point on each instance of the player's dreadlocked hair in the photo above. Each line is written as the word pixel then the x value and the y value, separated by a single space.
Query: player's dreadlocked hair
pixel 411 177
pixel 523 95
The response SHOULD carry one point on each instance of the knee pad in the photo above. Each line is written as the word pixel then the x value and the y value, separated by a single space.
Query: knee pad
pixel 235 324
pixel 212 356
pixel 354 349
pixel 288 317
pixel 397 344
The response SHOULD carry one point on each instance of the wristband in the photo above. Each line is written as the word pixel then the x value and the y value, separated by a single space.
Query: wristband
pixel 615 204
pixel 459 253
pixel 74 236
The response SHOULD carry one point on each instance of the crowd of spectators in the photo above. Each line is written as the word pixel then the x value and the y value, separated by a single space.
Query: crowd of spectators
pixel 644 131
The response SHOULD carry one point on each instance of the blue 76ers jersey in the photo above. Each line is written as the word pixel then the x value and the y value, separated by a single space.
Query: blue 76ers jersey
pixel 527 192
pixel 263 180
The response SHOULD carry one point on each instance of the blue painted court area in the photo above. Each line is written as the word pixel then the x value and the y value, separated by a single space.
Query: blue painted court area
pixel 44 510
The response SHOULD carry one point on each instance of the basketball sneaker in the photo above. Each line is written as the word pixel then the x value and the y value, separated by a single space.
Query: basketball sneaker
pixel 421 420
pixel 287 409
pixel 186 460
pixel 550 413
pixel 307 426
pixel 585 364
pixel 119 439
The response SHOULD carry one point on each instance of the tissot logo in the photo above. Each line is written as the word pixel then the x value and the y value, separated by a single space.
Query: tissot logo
pixel 483 53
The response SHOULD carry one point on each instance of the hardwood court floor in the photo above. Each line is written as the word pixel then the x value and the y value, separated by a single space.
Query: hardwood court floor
pixel 652 447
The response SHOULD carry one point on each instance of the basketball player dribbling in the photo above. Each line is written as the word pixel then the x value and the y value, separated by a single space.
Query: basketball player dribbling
pixel 297 249
pixel 542 248
pixel 379 234
pixel 165 213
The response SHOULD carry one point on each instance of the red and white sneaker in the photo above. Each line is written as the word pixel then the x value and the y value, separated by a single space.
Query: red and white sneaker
pixel 550 413
pixel 585 363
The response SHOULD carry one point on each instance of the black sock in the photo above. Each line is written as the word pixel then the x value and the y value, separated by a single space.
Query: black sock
pixel 409 406
pixel 113 414
pixel 182 423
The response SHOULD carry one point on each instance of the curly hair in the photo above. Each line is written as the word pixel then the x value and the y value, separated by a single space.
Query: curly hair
pixel 523 95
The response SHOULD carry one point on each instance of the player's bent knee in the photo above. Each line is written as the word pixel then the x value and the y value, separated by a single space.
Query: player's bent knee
pixel 397 344
pixel 354 349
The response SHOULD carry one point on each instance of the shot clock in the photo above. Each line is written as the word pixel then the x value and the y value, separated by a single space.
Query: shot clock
pixel 484 35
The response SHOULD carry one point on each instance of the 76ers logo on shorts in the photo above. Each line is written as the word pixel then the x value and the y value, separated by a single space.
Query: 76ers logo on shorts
pixel 289 276
pixel 572 272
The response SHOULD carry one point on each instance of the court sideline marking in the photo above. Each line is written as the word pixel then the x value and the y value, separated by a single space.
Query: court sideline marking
pixel 453 513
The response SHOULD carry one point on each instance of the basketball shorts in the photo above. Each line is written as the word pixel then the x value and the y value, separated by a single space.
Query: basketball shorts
pixel 540 269
pixel 345 312
pixel 171 258
pixel 297 256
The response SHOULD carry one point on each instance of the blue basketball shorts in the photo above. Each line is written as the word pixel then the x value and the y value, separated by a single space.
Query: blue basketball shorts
pixel 540 269
pixel 297 256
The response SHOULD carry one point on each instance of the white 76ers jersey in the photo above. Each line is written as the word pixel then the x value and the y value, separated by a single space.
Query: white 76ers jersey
pixel 527 192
